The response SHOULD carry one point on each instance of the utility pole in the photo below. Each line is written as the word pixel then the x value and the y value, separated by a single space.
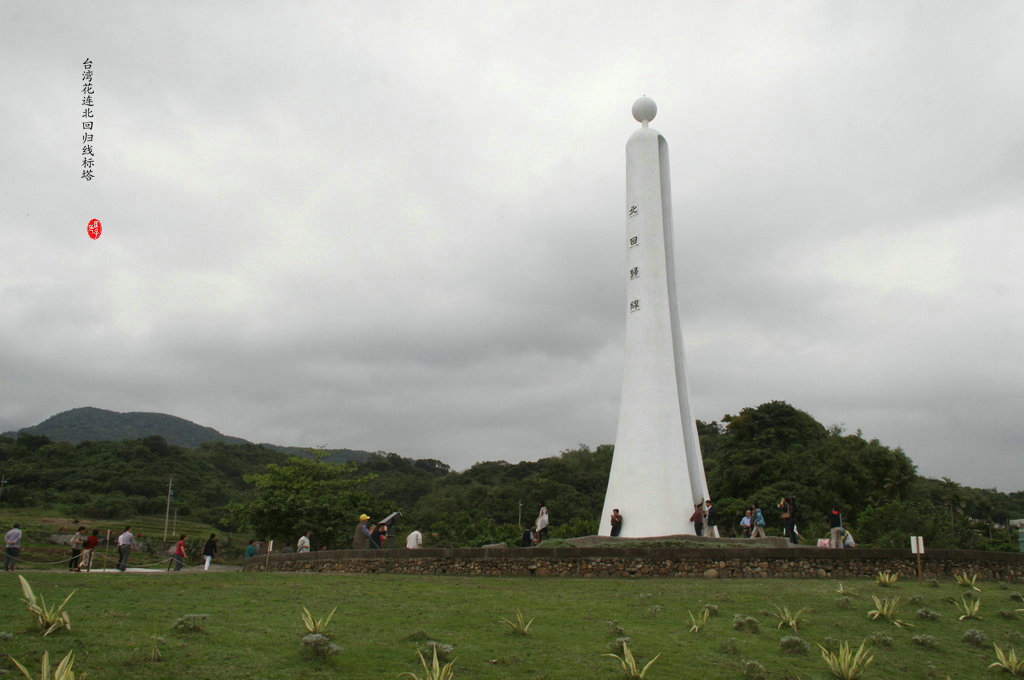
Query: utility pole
pixel 167 513
pixel 3 480
pixel 520 513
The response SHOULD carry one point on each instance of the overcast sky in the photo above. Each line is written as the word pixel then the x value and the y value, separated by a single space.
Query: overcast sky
pixel 400 226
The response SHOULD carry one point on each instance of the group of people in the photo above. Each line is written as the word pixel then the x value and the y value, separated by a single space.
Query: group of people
pixel 539 532
pixel 373 536
pixel 704 518
pixel 752 524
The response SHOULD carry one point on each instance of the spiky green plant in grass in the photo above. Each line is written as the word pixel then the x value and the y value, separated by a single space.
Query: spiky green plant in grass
pixel 788 618
pixel 886 578
pixel 968 608
pixel 628 663
pixel 845 664
pixel 433 670
pixel 63 671
pixel 843 590
pixel 887 609
pixel 698 622
pixel 1008 662
pixel 154 649
pixel 962 579
pixel 520 626
pixel 314 625
pixel 47 618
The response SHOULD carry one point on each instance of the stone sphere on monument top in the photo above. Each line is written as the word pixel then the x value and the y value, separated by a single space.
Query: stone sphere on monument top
pixel 644 109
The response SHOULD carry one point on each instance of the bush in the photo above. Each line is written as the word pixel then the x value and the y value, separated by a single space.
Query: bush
pixel 791 644
pixel 753 670
pixel 926 640
pixel 320 645
pixel 975 637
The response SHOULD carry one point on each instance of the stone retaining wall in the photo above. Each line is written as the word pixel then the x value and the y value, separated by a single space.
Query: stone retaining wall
pixel 797 562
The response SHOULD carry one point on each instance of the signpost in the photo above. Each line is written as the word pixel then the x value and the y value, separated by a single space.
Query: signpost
pixel 917 548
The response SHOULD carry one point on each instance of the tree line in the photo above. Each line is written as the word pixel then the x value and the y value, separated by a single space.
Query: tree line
pixel 758 456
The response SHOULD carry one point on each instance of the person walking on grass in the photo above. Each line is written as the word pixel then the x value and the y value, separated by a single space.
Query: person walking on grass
pixel 209 551
pixel 125 543
pixel 12 547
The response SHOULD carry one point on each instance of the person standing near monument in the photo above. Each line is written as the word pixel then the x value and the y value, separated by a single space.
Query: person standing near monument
pixel 698 519
pixel 616 522
pixel 414 541
pixel 125 543
pixel 12 547
pixel 542 522
pixel 303 545
pixel 710 518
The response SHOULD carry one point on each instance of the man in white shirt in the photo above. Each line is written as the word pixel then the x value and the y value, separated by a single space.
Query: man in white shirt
pixel 12 547
pixel 303 544
pixel 414 541
pixel 125 543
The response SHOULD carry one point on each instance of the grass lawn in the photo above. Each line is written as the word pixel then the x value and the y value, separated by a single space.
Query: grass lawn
pixel 254 627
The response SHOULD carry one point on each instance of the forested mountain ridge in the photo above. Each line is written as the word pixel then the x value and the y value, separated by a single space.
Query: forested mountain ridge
pixel 91 424
pixel 100 425
pixel 757 455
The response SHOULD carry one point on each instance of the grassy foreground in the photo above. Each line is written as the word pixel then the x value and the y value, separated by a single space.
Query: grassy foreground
pixel 254 627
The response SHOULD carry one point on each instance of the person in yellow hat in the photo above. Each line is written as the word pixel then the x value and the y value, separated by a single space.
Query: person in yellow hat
pixel 361 539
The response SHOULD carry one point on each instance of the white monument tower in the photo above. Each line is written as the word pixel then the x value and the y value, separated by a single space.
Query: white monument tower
pixel 657 471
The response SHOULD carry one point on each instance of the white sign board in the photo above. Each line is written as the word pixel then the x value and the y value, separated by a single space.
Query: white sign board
pixel 917 545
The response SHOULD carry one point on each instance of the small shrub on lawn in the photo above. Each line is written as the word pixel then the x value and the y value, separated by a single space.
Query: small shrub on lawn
pixel 191 623
pixel 791 644
pixel 615 629
pixel 747 623
pixel 619 642
pixel 881 640
pixel 926 640
pixel 844 602
pixel 975 637
pixel 917 599
pixel 928 614
pixel 753 670
pixel 729 646
pixel 711 609
pixel 1017 596
pixel 1007 614
pixel 320 645
pixel 442 649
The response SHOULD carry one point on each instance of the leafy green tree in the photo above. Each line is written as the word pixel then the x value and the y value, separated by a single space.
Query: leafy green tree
pixel 306 495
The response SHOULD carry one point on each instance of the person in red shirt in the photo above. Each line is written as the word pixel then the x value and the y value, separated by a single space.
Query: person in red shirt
pixel 179 553
pixel 87 550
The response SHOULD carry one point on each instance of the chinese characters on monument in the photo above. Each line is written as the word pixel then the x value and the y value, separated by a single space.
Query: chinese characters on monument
pixel 88 156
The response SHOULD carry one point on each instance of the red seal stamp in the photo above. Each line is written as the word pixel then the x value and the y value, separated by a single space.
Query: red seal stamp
pixel 94 229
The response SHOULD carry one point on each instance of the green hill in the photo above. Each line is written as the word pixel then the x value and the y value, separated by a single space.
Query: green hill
pixel 98 425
